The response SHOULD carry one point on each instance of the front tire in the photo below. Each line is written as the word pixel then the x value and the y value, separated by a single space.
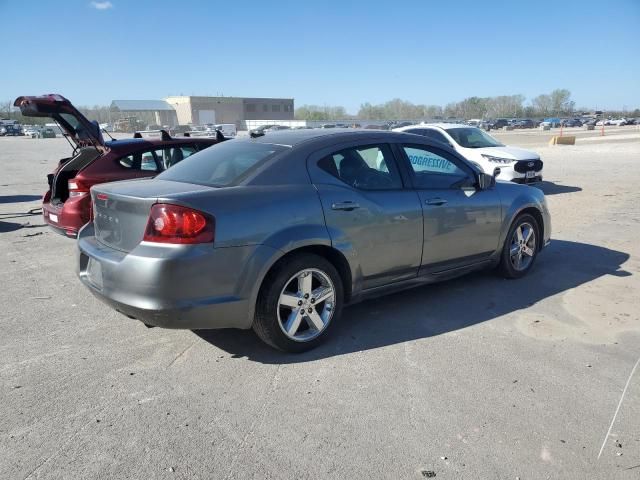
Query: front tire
pixel 300 300
pixel 520 247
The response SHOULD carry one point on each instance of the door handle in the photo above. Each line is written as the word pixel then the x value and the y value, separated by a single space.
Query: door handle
pixel 347 206
pixel 436 201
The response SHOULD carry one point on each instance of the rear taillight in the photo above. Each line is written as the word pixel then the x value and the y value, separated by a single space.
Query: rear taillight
pixel 176 224
pixel 77 188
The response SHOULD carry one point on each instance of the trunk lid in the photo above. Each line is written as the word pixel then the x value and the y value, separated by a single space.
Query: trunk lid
pixel 121 209
pixel 77 127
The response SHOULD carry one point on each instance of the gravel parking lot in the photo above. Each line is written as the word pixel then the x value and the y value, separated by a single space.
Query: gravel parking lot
pixel 476 378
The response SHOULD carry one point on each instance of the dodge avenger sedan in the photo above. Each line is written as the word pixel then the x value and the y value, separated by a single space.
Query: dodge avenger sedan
pixel 279 232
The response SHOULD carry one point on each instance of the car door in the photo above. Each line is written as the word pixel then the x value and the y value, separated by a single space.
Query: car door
pixel 368 212
pixel 461 222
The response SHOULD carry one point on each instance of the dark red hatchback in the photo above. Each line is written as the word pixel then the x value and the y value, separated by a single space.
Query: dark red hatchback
pixel 66 206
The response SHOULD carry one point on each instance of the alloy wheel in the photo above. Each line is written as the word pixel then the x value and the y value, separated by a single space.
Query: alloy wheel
pixel 306 305
pixel 523 246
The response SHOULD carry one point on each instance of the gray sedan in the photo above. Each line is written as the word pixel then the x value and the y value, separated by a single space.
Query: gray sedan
pixel 279 232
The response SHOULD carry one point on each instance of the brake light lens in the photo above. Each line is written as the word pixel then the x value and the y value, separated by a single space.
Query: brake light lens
pixel 77 188
pixel 177 224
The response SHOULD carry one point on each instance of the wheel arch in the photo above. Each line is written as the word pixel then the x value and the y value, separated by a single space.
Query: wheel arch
pixel 334 256
pixel 537 214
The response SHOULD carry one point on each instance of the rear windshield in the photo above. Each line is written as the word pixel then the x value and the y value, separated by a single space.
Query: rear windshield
pixel 222 165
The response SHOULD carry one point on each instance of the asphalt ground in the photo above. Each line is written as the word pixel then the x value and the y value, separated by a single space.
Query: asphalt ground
pixel 475 378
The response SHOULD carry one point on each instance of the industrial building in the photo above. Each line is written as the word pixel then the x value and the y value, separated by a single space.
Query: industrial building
pixel 237 110
pixel 143 112
pixel 191 110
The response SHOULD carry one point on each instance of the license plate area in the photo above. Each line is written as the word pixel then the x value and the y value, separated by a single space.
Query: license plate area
pixel 94 273
pixel 53 217
pixel 530 174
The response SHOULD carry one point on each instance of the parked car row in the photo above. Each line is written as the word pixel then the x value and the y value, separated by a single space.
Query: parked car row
pixel 618 121
pixel 11 130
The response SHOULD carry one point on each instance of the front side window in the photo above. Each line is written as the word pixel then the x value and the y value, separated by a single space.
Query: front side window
pixel 366 168
pixel 434 169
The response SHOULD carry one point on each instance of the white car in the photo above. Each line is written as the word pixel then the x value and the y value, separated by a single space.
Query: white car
pixel 229 130
pixel 32 132
pixel 480 148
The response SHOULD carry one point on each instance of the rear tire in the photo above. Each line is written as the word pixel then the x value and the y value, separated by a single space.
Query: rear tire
pixel 299 302
pixel 520 247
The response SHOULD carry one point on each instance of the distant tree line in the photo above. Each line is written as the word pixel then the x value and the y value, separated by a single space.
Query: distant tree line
pixel 557 103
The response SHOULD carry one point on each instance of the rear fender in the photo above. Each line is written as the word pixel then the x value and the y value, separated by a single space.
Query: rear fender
pixel 273 249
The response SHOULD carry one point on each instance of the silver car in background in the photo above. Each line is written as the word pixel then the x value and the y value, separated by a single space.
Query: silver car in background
pixel 279 232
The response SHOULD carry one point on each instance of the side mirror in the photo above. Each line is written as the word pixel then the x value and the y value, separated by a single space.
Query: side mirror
pixel 485 181
pixel 496 172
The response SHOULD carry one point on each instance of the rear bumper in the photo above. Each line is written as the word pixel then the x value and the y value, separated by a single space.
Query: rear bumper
pixel 175 286
pixel 67 218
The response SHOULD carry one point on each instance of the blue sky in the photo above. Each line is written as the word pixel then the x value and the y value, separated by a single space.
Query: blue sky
pixel 328 52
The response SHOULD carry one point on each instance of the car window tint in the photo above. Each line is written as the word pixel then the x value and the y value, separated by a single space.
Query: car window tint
pixel 127 161
pixel 169 156
pixel 225 164
pixel 432 168
pixel 430 133
pixel 435 135
pixel 366 168
pixel 140 161
pixel 148 162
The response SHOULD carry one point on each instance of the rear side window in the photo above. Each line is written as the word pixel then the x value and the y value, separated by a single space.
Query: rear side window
pixel 140 161
pixel 427 132
pixel 368 167
pixel 223 164
pixel 169 156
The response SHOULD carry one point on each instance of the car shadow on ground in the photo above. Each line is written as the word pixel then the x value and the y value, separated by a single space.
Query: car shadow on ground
pixel 6 227
pixel 550 188
pixel 439 308
pixel 19 198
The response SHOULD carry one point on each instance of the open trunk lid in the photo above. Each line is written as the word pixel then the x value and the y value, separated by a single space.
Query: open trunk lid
pixel 77 127
pixel 121 209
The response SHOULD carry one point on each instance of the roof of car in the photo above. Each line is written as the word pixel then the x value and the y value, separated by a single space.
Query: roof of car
pixel 295 137
pixel 135 142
